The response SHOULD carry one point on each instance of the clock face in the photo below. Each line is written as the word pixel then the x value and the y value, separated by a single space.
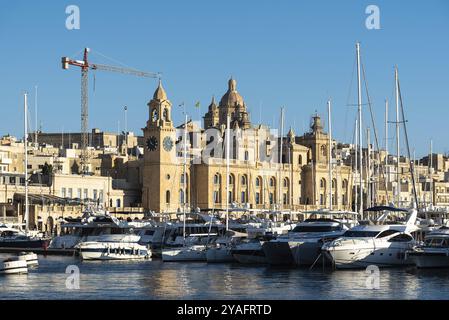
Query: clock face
pixel 152 143
pixel 168 143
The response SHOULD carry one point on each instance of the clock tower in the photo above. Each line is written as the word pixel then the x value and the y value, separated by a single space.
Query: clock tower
pixel 161 173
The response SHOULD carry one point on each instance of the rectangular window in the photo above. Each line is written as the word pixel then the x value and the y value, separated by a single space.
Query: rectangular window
pixel 285 198
pixel 271 198
pixel 95 194
pixel 257 198
pixel 70 193
pixel 100 196
pixel 216 198
pixel 243 197
pixel 86 194
pixel 63 192
pixel 79 193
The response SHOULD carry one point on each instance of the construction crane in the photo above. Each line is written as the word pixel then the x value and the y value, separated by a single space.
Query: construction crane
pixel 85 66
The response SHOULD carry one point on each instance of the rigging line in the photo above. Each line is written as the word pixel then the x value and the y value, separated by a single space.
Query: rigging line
pixel 112 59
pixel 374 126
pixel 412 165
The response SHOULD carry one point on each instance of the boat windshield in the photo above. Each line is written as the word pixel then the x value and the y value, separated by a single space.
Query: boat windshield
pixel 360 234
pixel 437 242
pixel 316 228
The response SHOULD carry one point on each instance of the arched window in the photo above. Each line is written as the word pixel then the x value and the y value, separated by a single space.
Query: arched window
pixel 246 155
pixel 167 197
pixel 334 183
pixel 243 180
pixel 323 150
pixel 231 179
pixel 323 183
pixel 181 196
pixel 118 203
pixel 217 179
pixel 285 182
pixel 258 181
pixel 165 115
pixel 272 182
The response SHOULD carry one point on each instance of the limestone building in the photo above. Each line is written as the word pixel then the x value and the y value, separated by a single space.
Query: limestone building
pixel 261 175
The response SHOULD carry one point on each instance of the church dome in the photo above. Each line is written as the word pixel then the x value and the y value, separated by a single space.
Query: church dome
pixel 231 97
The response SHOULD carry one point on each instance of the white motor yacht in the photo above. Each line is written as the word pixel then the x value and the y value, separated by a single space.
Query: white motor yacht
pixel 382 245
pixel 434 253
pixel 127 248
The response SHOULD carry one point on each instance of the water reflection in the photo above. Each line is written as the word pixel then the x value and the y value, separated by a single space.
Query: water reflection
pixel 158 280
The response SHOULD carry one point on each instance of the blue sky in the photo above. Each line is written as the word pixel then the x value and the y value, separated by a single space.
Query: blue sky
pixel 282 53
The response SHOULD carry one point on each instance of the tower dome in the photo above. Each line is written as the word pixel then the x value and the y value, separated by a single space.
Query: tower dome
pixel 160 94
pixel 231 97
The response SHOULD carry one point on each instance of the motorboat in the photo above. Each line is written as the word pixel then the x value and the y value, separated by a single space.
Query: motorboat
pixel 13 266
pixel 95 225
pixel 382 245
pixel 30 258
pixel 434 253
pixel 302 245
pixel 15 238
pixel 126 248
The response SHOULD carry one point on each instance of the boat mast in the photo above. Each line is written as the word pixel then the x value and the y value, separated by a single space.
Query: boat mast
pixel 431 172
pixel 185 180
pixel 359 104
pixel 228 137
pixel 330 151
pixel 356 198
pixel 368 169
pixel 387 173
pixel 25 109
pixel 398 187
pixel 280 160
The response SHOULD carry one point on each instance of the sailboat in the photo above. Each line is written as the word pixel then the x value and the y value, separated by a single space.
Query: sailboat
pixel 16 238
pixel 382 244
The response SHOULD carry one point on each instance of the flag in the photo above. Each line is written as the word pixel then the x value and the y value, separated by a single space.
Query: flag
pixel 197 105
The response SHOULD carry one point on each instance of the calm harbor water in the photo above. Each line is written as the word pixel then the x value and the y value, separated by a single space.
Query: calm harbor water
pixel 158 280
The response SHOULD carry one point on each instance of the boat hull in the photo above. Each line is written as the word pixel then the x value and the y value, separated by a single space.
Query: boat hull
pixel 183 254
pixel 429 260
pixel 362 258
pixel 14 267
pixel 305 253
pixel 217 255
pixel 278 253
